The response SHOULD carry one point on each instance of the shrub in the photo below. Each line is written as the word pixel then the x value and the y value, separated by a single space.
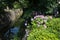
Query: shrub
pixel 54 26
pixel 52 32
pixel 38 34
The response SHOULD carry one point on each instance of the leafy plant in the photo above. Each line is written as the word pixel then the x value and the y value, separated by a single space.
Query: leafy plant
pixel 41 34
pixel 52 32
pixel 54 26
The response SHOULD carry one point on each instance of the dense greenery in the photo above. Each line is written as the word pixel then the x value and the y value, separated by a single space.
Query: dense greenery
pixel 54 27
pixel 28 6
pixel 43 34
pixel 42 5
pixel 52 31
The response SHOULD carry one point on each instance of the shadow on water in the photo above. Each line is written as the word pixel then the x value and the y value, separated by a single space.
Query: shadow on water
pixel 11 33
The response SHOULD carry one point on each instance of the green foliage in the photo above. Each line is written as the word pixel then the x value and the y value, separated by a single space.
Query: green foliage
pixel 15 37
pixel 54 26
pixel 54 23
pixel 39 20
pixel 24 3
pixel 19 22
pixel 37 23
pixel 14 3
pixel 52 32
pixel 45 6
pixel 38 34
pixel 27 13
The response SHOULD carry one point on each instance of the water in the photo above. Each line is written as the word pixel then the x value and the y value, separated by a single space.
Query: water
pixel 15 30
pixel 12 33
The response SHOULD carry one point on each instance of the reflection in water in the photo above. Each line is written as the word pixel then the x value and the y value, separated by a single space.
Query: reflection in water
pixel 11 33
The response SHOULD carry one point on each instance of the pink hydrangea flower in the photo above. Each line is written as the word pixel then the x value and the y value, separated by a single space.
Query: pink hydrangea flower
pixel 39 16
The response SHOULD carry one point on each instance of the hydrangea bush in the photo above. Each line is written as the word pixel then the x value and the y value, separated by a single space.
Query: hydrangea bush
pixel 52 32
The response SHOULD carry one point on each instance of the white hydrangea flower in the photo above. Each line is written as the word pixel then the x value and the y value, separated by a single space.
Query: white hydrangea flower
pixel 32 19
pixel 45 18
pixel 59 2
pixel 38 25
pixel 45 26
pixel 25 24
